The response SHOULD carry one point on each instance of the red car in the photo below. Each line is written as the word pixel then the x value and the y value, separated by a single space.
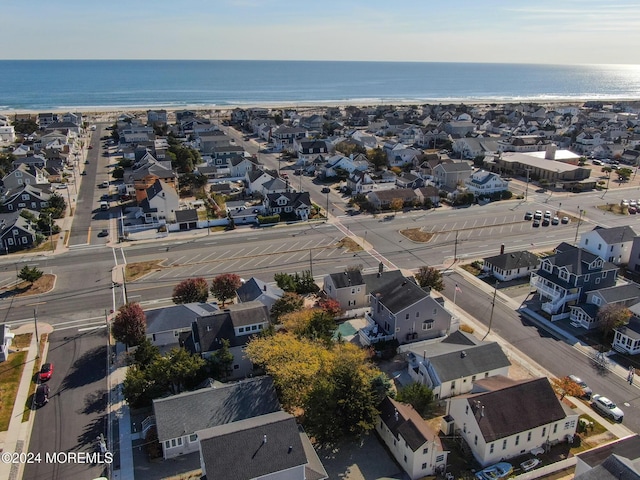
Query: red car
pixel 46 371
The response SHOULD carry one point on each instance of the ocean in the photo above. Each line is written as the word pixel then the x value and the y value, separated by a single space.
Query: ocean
pixel 86 84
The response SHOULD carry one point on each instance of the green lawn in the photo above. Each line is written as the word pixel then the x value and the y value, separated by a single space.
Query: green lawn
pixel 10 374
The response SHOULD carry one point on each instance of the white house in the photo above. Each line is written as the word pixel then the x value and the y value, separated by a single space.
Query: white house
pixel 495 425
pixel 485 183
pixel 611 244
pixel 411 441
pixel 161 203
pixel 512 265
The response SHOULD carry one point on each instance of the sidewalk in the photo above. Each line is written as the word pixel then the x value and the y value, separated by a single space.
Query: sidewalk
pixel 16 438
pixel 119 411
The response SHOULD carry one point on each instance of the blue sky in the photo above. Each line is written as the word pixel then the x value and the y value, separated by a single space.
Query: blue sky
pixel 541 31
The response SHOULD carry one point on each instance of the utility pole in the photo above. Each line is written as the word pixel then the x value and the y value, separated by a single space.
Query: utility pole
pixel 51 230
pixel 35 322
pixel 526 191
pixel 310 263
pixel 493 305
pixel 575 240
pixel 455 249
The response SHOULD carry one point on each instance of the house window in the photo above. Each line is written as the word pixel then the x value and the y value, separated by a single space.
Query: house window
pixel 555 428
pixel 491 448
pixel 517 439
pixel 597 281
pixel 405 459
pixel 596 300
pixel 544 431
pixel 417 314
pixel 425 451
pixel 193 438
pixel 504 444
pixel 428 325
pixel 241 329
pixel 475 440
pixel 24 197
pixel 599 246
pixel 570 424
pixel 254 327
pixel 586 241
pixel 439 458
pixel 236 367
pixel 529 437
pixel 353 291
pixel 466 410
pixel 424 466
pixel 406 317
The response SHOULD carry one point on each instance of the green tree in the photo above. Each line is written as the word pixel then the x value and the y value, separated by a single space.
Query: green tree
pixel 382 387
pixel 29 274
pixel 429 277
pixel 191 290
pixel 137 387
pixel 57 205
pixel 612 316
pixel 178 370
pixel 289 302
pixel 419 396
pixel 145 354
pixel 343 392
pixel 25 127
pixel 129 325
pixel 624 174
pixel 224 286
pixel 285 281
pixel 377 157
pixel 118 173
pixel 219 364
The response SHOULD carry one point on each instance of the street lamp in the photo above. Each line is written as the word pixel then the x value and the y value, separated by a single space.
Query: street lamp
pixel 327 204
pixel 51 230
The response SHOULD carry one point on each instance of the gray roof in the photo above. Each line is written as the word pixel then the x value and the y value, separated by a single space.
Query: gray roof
pixel 632 329
pixel 628 447
pixel 190 215
pixel 511 260
pixel 403 420
pixel 455 167
pixel 619 293
pixel 188 412
pixel 469 361
pixel 396 296
pixel 375 281
pixel 254 288
pixel 503 412
pixel 208 331
pixel 616 234
pixel 348 278
pixel 252 448
pixel 177 317
pixel 589 308
pixel 576 260
pixel 613 468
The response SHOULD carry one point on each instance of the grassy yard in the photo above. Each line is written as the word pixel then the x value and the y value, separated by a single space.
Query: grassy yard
pixel 10 374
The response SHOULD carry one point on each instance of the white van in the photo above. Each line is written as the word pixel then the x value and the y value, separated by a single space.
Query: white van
pixel 104 205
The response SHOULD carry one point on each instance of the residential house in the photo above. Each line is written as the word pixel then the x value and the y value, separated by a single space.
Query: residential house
pixel 585 314
pixel 565 278
pixel 160 204
pixel 400 156
pixel 634 256
pixel 234 323
pixel 6 337
pixel 7 134
pixel 169 326
pixel 16 232
pixel 405 312
pixel 617 460
pixel 337 163
pixel 45 119
pixel 144 173
pixel 613 244
pixel 255 179
pixel 472 147
pixel 312 122
pixel 626 339
pixel 451 366
pixel 297 203
pixel 223 155
pixel 512 265
pixel 409 180
pixel 239 166
pixel 156 117
pixel 209 141
pixel 412 442
pixel 496 427
pixel 383 199
pixel 269 446
pixel 482 183
pixel 257 290
pixel 459 127
pixel 351 288
pixel 26 196
pixel 451 175
pixel 309 150
pixel 24 175
pixel 179 417
pixel 274 185
pixel 284 136
pixel 428 193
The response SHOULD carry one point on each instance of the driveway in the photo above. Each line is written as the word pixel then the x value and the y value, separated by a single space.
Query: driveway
pixel 367 460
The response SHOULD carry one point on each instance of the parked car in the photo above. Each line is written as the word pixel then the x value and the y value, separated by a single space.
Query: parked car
pixel 545 222
pixel 596 162
pixel 325 190
pixel 45 372
pixel 42 395
pixel 536 223
pixel 547 214
pixel 632 210
pixel 103 233
pixel 624 203
pixel 586 391
pixel 90 147
pixel 528 216
pixel 607 407
pixel 555 221
pixel 537 215
pixel 565 220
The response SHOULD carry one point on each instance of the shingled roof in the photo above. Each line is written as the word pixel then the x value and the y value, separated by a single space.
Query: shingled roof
pixel 185 413
pixel 403 420
pixel 502 413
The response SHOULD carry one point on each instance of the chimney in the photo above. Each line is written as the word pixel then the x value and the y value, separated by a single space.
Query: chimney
pixel 264 439
pixel 290 448
pixel 395 414
pixel 502 249
pixel 482 411
pixel 264 289
pixel 550 152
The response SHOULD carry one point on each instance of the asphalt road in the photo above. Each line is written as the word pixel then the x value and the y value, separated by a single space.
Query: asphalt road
pixel 76 413
pixel 554 355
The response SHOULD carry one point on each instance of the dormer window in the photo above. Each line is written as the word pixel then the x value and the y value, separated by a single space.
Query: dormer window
pixel 563 274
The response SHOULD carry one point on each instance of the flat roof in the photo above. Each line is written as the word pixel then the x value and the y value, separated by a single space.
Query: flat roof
pixel 532 161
